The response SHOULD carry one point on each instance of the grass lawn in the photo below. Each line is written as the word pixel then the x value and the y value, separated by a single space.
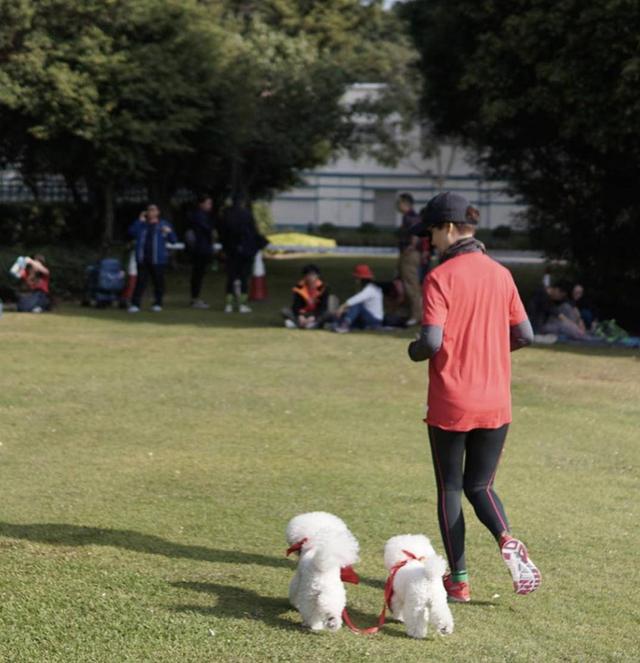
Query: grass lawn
pixel 149 465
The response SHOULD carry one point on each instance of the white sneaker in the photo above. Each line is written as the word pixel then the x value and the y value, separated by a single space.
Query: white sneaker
pixel 243 308
pixel 199 304
pixel 133 309
pixel 290 324
pixel 411 322
pixel 156 308
pixel 36 309
pixel 228 308
pixel 524 573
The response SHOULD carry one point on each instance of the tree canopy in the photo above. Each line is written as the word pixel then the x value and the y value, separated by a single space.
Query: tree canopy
pixel 233 97
pixel 547 93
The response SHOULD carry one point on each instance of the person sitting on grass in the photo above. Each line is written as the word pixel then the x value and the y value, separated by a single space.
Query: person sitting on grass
pixel 564 318
pixel 365 309
pixel 584 307
pixel 35 275
pixel 310 301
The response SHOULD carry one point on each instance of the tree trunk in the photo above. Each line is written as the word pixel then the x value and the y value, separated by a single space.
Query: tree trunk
pixel 108 211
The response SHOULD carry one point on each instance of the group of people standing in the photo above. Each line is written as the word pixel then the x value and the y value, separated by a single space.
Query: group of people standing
pixel 237 232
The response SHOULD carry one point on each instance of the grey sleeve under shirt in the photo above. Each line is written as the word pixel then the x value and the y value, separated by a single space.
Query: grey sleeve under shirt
pixel 430 340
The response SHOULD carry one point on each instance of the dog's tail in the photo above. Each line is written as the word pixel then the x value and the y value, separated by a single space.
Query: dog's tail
pixel 334 549
pixel 435 567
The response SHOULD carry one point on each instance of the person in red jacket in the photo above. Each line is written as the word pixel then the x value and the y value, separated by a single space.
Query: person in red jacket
pixel 472 318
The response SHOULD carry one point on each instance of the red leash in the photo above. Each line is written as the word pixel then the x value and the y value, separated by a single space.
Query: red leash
pixel 388 594
pixel 348 574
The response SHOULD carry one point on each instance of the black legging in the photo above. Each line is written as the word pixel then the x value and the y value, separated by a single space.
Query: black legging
pixel 478 451
pixel 199 264
pixel 156 272
pixel 238 269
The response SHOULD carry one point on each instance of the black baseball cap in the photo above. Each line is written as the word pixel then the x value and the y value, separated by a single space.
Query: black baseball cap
pixel 446 207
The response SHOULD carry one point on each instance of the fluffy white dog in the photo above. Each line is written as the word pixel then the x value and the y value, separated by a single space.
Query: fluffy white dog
pixel 326 547
pixel 417 595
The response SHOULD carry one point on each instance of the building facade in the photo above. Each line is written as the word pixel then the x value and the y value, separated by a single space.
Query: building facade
pixel 348 192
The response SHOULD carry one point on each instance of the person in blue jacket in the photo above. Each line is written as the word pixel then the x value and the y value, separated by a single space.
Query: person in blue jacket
pixel 151 234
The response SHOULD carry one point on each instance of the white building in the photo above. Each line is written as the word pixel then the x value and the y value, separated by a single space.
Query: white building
pixel 349 192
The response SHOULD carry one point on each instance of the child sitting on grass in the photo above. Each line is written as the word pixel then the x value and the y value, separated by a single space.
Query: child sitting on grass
pixel 309 309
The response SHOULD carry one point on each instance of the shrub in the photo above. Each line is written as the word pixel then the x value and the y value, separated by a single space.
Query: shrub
pixel 501 232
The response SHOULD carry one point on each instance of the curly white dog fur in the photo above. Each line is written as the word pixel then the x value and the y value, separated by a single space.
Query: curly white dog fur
pixel 419 597
pixel 325 545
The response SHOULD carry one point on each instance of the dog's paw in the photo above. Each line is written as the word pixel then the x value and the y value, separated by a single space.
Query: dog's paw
pixel 333 623
pixel 445 629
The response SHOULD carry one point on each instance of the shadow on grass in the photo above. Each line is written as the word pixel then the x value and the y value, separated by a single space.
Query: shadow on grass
pixel 241 603
pixel 238 603
pixel 81 535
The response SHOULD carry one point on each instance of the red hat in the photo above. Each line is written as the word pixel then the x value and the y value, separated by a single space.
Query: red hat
pixel 363 272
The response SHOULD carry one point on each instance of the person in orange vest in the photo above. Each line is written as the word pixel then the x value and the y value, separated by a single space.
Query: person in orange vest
pixel 310 301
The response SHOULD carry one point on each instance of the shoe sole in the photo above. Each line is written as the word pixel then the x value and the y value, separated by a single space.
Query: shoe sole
pixel 453 599
pixel 524 573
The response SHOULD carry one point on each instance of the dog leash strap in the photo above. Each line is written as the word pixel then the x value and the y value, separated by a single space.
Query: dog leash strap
pixel 365 631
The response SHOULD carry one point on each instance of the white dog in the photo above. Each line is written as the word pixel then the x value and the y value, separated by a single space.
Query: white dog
pixel 326 547
pixel 417 595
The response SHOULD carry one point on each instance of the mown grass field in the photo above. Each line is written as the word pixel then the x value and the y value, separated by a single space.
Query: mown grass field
pixel 149 464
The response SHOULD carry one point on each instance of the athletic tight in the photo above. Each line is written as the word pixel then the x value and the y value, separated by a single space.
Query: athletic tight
pixel 467 462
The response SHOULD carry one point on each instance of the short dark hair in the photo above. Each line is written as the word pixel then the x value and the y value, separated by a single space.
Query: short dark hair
pixel 310 269
pixel 405 197
pixel 204 197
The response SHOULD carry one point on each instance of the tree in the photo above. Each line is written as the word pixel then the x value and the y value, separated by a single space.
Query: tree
pixel 102 89
pixel 547 93
pixel 230 97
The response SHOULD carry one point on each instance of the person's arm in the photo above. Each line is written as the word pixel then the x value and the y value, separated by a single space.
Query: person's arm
pixel 436 309
pixel 169 233
pixel 427 344
pixel 298 304
pixel 134 228
pixel 520 335
pixel 520 329
pixel 37 266
pixel 359 297
pixel 323 302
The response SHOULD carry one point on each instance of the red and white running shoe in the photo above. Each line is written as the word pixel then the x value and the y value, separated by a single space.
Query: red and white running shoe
pixel 457 592
pixel 525 574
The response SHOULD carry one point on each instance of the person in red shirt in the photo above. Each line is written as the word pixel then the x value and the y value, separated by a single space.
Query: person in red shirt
pixel 472 319
pixel 35 276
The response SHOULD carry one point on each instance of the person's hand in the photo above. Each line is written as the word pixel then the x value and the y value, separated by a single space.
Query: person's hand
pixel 142 216
pixel 165 230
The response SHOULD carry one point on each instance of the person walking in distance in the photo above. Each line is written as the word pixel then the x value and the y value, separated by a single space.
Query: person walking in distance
pixel 410 257
pixel 240 241
pixel 151 234
pixel 199 241
pixel 473 317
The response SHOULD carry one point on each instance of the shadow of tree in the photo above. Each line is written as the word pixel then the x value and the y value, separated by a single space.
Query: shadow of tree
pixel 82 535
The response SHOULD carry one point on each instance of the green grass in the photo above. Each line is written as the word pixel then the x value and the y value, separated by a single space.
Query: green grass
pixel 149 465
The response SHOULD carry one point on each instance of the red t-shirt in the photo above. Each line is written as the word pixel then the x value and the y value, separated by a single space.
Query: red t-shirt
pixel 475 301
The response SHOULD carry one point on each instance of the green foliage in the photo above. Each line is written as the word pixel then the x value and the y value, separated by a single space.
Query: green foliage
pixel 233 98
pixel 547 92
